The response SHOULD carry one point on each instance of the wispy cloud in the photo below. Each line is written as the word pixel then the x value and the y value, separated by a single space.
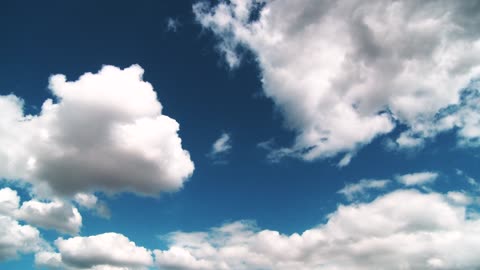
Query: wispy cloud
pixel 220 148
pixel 420 178
pixel 173 24
pixel 350 191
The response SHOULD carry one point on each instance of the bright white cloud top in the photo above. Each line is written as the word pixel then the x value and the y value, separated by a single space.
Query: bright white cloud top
pixel 346 72
pixel 104 132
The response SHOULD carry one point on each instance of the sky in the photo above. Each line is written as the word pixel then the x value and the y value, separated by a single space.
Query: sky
pixel 241 134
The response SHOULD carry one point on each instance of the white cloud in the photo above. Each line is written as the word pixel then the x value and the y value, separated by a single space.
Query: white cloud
pixel 345 72
pixel 419 178
pixel 9 201
pixel 104 251
pixel 173 24
pixel 222 144
pixel 90 201
pixel 220 147
pixel 57 215
pixel 350 191
pixel 16 238
pixel 459 197
pixel 106 132
pixel 86 200
pixel 404 229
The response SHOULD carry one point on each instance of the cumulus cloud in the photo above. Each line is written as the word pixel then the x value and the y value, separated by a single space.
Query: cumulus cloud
pixel 9 201
pixel 404 229
pixel 350 191
pixel 104 132
pixel 100 252
pixel 221 147
pixel 57 215
pixel 91 202
pixel 16 238
pixel 419 178
pixel 345 72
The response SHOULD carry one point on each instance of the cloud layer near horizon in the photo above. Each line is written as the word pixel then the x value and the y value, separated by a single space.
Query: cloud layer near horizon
pixel 402 229
pixel 104 132
pixel 346 72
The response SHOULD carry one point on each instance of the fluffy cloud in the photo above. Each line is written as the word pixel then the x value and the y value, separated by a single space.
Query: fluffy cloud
pixel 404 229
pixel 57 215
pixel 100 252
pixel 104 132
pixel 345 72
pixel 16 238
pixel 419 178
pixel 90 201
pixel 9 201
pixel 350 191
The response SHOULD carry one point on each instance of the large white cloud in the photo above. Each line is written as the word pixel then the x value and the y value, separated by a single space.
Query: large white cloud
pixel 404 229
pixel 100 252
pixel 104 132
pixel 345 72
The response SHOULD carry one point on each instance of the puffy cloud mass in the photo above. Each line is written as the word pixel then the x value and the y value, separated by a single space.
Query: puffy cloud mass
pixel 345 72
pixel 16 238
pixel 103 132
pixel 105 251
pixel 404 229
pixel 57 215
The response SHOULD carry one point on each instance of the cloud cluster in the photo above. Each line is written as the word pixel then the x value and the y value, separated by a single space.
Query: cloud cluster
pixel 404 229
pixel 103 132
pixel 345 72
pixel 105 251
pixel 57 215
pixel 16 238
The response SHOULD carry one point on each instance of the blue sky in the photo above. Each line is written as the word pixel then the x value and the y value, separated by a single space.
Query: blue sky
pixel 296 126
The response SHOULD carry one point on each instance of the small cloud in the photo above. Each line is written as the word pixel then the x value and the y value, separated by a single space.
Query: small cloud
pixel 276 154
pixel 91 202
pixel 472 181
pixel 420 178
pixel 220 148
pixel 173 24
pixel 350 191
pixel 459 198
pixel 345 160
